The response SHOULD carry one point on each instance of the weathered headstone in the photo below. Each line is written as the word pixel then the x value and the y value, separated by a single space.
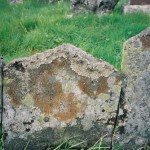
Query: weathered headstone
pixel 60 94
pixel 134 124
pixel 96 6
pixel 137 5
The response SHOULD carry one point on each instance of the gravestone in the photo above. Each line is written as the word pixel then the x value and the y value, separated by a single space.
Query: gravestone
pixel 134 124
pixel 95 6
pixel 60 94
pixel 137 5
pixel 139 2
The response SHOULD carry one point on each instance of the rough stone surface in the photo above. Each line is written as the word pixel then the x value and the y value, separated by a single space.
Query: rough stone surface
pixel 136 8
pixel 134 125
pixel 96 6
pixel 137 5
pixel 57 95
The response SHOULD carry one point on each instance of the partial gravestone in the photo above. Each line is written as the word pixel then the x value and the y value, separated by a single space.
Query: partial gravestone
pixel 137 5
pixel 139 2
pixel 50 1
pixel 16 1
pixel 134 125
pixel 95 6
pixel 57 95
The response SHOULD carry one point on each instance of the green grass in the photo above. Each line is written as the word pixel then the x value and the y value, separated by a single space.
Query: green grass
pixel 34 27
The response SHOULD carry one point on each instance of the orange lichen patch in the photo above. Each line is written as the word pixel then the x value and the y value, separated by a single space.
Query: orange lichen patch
pixel 44 76
pixel 43 103
pixel 49 89
pixel 67 105
pixel 57 88
pixel 48 96
pixel 146 42
pixel 41 74
pixel 13 92
pixel 86 87
pixel 64 107
pixel 44 98
pixel 93 88
pixel 103 86
pixel 44 83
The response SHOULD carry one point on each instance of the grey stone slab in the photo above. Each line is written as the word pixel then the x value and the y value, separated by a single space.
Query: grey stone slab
pixel 60 94
pixel 134 122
